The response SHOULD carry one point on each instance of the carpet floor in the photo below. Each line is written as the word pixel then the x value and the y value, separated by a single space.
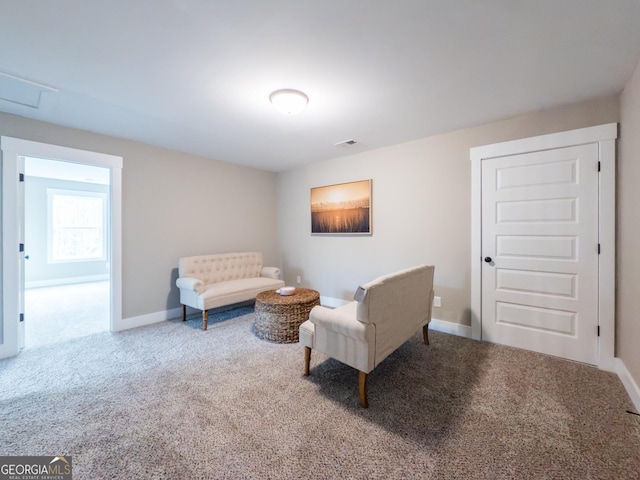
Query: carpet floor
pixel 63 312
pixel 170 401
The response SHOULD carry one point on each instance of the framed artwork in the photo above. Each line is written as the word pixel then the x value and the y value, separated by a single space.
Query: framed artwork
pixel 344 208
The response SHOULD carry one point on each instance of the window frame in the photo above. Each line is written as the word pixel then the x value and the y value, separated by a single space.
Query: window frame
pixel 51 193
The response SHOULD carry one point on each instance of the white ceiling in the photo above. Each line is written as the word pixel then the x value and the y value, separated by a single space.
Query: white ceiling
pixel 195 75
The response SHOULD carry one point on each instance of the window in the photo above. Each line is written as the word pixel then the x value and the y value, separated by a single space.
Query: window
pixel 77 225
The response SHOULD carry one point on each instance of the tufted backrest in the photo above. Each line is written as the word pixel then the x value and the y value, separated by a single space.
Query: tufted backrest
pixel 221 267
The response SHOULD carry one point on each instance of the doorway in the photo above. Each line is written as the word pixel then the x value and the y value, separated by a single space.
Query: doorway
pixel 14 152
pixel 67 278
pixel 543 244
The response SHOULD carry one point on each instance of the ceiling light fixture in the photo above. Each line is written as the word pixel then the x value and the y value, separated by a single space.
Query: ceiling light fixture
pixel 288 101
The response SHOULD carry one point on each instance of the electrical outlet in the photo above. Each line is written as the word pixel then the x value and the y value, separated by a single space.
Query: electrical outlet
pixel 437 301
pixel 298 279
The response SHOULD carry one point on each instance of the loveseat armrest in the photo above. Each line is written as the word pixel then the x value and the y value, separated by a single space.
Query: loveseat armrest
pixel 339 322
pixel 189 283
pixel 270 272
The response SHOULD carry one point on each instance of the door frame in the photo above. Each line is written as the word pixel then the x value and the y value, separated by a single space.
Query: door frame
pixel 605 136
pixel 12 149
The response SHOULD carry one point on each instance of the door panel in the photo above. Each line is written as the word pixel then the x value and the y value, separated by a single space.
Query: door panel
pixel 536 246
pixel 543 319
pixel 540 229
pixel 542 173
pixel 537 283
pixel 555 210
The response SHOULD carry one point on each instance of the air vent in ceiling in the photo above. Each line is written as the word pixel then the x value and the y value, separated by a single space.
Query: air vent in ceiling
pixel 349 142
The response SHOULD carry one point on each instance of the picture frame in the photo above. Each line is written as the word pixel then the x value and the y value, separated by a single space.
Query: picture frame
pixel 342 209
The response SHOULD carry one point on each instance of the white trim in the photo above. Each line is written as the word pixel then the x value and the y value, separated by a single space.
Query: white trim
pixel 629 384
pixel 607 257
pixel 60 153
pixel 115 269
pixel 12 149
pixel 550 141
pixel 147 319
pixel 450 327
pixel 476 246
pixel 605 136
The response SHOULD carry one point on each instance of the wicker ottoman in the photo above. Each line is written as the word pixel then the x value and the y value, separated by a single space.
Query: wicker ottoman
pixel 278 317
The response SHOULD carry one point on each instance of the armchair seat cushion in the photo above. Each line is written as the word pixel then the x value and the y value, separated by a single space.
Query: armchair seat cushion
pixel 341 320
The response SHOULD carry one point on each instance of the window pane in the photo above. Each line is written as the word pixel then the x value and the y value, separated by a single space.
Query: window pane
pixel 77 227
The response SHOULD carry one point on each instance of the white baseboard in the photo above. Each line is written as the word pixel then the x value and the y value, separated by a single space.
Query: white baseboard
pixel 157 317
pixel 435 324
pixel 629 384
pixel 332 302
pixel 450 327
pixel 148 319
pixel 65 281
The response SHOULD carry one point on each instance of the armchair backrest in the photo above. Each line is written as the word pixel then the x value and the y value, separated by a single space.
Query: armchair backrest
pixel 221 267
pixel 398 305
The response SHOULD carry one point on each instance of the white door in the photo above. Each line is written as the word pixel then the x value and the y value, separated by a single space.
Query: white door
pixel 12 329
pixel 540 251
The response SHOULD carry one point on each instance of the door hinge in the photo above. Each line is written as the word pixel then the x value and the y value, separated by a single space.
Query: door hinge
pixel 598 166
pixel 22 317
pixel 598 330
pixel 21 177
pixel 598 249
pixel 21 247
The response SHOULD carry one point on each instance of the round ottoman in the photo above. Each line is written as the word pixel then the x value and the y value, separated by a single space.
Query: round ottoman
pixel 278 317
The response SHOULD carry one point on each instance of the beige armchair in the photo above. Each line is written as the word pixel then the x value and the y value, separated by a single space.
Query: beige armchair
pixel 386 313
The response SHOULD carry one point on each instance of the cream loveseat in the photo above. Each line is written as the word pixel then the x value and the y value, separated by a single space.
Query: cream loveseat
pixel 209 281
pixel 362 333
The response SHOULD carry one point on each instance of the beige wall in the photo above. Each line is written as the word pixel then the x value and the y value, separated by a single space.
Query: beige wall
pixel 421 208
pixel 628 230
pixel 176 204
pixel 173 205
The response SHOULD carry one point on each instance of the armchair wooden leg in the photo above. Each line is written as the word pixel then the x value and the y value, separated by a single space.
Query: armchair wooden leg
pixel 184 313
pixel 425 334
pixel 307 360
pixel 362 389
pixel 205 317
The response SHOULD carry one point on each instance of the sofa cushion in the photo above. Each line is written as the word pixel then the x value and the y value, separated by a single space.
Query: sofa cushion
pixel 234 291
pixel 233 286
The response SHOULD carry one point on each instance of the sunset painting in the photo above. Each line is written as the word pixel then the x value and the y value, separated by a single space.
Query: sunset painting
pixel 344 208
